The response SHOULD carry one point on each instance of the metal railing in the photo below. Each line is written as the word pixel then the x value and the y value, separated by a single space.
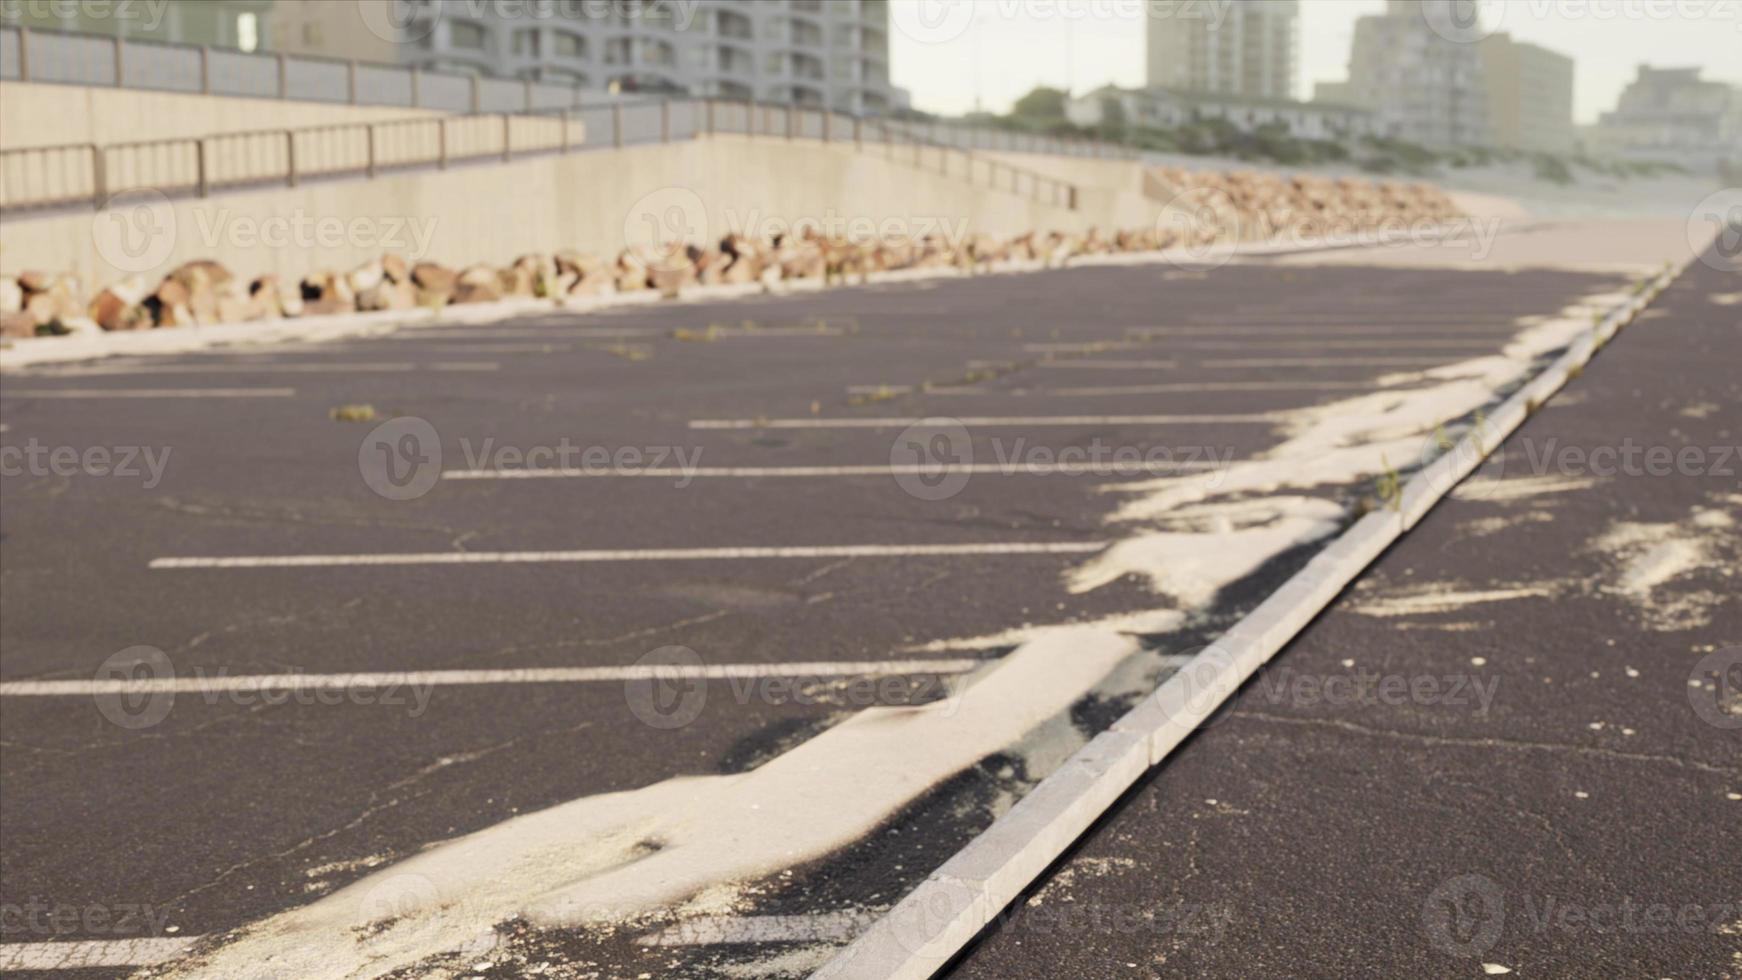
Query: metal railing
pixel 92 174
pixel 101 60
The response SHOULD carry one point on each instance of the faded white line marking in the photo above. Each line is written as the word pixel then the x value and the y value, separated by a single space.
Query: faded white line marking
pixel 148 393
pixel 1111 365
pixel 91 954
pixel 726 930
pixel 448 678
pixel 1310 362
pixel 1204 386
pixel 1392 344
pixel 352 367
pixel 1280 330
pixel 1030 468
pixel 643 554
pixel 983 420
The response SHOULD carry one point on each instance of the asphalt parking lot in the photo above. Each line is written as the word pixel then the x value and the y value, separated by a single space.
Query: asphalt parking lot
pixel 744 484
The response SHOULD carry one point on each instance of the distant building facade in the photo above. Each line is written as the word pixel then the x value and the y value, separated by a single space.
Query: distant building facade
pixel 1428 87
pixel 1160 108
pixel 1249 49
pixel 831 53
pixel 1673 115
pixel 1530 96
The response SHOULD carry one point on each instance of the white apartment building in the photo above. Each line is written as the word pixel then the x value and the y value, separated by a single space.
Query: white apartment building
pixel 1249 49
pixel 811 52
pixel 1429 87
pixel 1673 115
pixel 1159 108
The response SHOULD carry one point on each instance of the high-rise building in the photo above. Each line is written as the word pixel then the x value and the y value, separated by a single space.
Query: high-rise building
pixel 1427 84
pixel 811 52
pixel 1248 49
pixel 1530 95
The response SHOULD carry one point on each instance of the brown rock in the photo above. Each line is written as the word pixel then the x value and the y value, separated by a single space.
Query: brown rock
pixel 120 307
pixel 11 296
pixel 395 268
pixel 34 281
pixel 20 324
pixel 432 278
pixel 477 292
pixel 388 295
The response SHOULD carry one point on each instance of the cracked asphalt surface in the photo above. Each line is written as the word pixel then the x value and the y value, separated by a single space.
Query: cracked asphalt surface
pixel 230 808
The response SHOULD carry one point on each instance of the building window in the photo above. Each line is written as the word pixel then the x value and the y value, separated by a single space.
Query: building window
pixel 468 37
pixel 247 31
pixel 570 45
pixel 526 43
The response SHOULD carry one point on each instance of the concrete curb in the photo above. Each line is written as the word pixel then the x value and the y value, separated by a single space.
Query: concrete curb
pixel 940 917
pixel 94 344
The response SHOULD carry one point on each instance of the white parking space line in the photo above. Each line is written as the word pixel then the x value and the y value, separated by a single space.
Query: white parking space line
pixel 1026 468
pixel 528 333
pixel 1376 317
pixel 1094 365
pixel 504 348
pixel 266 367
pixel 148 393
pixel 1086 346
pixel 86 687
pixel 1392 343
pixel 726 930
pixel 91 954
pixel 641 554
pixel 983 420
pixel 1283 330
pixel 1168 388
pixel 1317 362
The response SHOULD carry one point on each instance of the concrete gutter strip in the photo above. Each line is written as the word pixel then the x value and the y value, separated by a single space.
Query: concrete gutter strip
pixel 92 343
pixel 941 916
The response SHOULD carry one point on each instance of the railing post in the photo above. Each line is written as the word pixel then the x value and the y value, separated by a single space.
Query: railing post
pixel 750 119
pixel 565 130
pixel 23 53
pixel 828 127
pixel 617 125
pixel 205 69
pixel 200 166
pixel 351 81
pixel 507 133
pixel 442 143
pixel 290 157
pixel 528 84
pixel 369 134
pixel 283 78
pixel 120 61
pixel 99 177
pixel 416 87
pixel 665 120
pixel 859 133
pixel 710 111
pixel 476 101
pixel 790 109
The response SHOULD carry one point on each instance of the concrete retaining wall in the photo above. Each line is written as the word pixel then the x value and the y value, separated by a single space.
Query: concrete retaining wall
pixel 597 201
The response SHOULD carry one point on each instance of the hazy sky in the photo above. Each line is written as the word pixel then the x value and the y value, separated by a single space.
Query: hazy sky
pixel 954 54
